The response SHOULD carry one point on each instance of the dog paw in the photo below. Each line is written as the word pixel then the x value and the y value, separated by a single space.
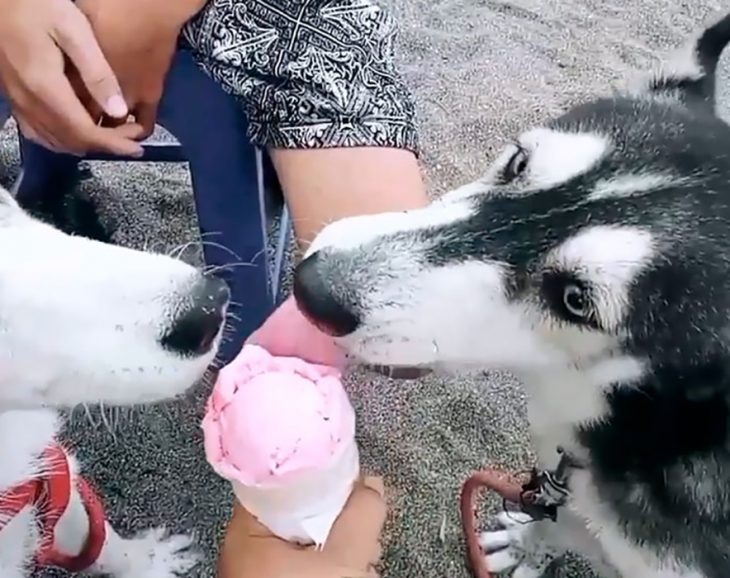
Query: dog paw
pixel 516 547
pixel 155 554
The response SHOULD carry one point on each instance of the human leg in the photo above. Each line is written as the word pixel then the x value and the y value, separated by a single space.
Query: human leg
pixel 319 84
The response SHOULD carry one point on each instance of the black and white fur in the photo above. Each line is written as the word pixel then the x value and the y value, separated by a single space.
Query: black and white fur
pixel 593 260
pixel 85 322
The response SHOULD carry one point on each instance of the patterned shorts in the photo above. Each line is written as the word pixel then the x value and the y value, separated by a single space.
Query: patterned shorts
pixel 310 73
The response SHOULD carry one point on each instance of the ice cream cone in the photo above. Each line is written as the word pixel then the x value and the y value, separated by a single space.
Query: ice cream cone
pixel 283 432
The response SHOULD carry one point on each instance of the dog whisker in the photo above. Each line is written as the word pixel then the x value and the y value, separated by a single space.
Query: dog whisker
pixel 178 251
pixel 199 243
pixel 215 269
pixel 106 422
pixel 228 250
pixel 87 413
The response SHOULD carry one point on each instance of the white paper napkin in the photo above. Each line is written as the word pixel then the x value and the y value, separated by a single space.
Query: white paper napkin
pixel 305 508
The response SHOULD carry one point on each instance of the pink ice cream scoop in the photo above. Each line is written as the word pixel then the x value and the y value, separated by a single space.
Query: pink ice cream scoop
pixel 283 432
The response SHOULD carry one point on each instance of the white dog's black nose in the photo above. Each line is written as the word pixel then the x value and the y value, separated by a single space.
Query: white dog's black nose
pixel 197 325
pixel 317 302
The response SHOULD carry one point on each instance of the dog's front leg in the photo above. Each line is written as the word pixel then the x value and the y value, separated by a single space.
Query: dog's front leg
pixel 150 554
pixel 18 541
pixel 524 548
pixel 7 572
pixel 520 546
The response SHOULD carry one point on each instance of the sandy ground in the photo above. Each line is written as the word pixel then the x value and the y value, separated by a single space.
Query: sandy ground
pixel 481 70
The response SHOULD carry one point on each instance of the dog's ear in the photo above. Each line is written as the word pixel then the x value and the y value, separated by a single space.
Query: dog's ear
pixel 690 76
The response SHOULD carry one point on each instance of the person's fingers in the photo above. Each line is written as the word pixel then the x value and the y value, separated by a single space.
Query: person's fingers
pixel 249 550
pixel 82 132
pixel 128 130
pixel 52 101
pixel 32 135
pixel 131 130
pixel 111 122
pixel 26 129
pixel 75 37
pixel 341 572
pixel 37 135
pixel 355 537
pixel 40 131
pixel 145 115
pixel 95 111
pixel 375 483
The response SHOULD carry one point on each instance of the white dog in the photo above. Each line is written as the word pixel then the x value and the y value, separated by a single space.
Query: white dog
pixel 85 322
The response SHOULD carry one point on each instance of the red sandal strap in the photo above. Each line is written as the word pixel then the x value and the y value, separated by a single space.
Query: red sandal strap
pixel 56 500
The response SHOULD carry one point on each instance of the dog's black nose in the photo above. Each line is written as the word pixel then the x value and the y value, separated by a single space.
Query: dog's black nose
pixel 318 304
pixel 194 330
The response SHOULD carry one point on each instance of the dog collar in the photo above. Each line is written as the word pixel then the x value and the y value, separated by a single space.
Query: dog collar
pixel 50 495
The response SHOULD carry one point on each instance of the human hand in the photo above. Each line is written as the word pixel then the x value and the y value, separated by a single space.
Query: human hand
pixel 36 38
pixel 139 41
pixel 351 551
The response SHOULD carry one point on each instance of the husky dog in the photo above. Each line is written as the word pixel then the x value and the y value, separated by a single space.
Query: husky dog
pixel 593 260
pixel 82 321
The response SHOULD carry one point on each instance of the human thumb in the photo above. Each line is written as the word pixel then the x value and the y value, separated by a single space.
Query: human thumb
pixel 75 37
pixel 355 537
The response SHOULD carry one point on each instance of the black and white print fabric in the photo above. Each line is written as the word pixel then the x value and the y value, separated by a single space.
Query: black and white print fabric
pixel 310 73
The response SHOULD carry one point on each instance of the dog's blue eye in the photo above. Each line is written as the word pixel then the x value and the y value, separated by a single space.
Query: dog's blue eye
pixel 575 300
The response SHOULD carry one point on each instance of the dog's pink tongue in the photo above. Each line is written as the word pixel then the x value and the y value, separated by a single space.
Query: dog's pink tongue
pixel 270 418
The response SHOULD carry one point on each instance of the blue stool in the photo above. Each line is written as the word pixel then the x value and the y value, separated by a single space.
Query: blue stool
pixel 4 112
pixel 232 183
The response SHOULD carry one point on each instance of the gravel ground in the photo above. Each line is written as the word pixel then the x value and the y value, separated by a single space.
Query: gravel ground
pixel 481 71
